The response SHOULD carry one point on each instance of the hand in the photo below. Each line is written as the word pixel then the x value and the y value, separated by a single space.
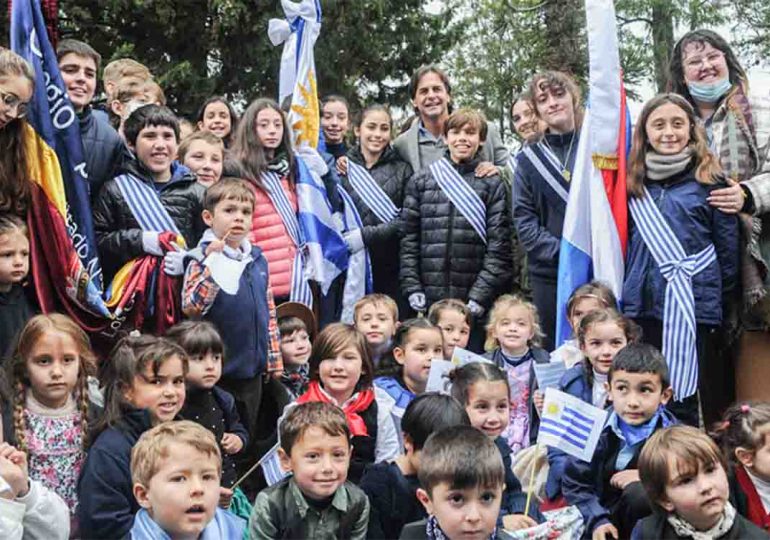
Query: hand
pixel 539 398
pixel 603 531
pixel 621 479
pixel 729 200
pixel 342 165
pixel 151 243
pixel 417 301
pixel 225 497
pixel 514 522
pixel 13 469
pixel 476 309
pixel 217 246
pixel 173 261
pixel 485 168
pixel 354 240
pixel 232 443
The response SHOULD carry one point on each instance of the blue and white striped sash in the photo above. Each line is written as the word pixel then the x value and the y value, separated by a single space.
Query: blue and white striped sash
pixel 371 193
pixel 548 167
pixel 461 194
pixel 358 278
pixel 300 288
pixel 145 205
pixel 678 268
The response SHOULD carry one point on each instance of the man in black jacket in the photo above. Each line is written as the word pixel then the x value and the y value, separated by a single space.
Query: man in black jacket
pixel 103 148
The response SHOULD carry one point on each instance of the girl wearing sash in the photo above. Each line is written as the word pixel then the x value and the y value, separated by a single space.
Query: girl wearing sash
pixel 376 185
pixel 262 144
pixel 705 70
pixel 335 121
pixel 457 237
pixel 682 253
pixel 541 187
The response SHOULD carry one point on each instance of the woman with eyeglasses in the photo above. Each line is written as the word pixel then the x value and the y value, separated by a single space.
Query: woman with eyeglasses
pixel 16 85
pixel 706 72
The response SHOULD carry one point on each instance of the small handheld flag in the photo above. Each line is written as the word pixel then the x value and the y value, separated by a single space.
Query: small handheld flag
pixel 438 377
pixel 571 425
pixel 271 467
pixel 461 356
pixel 549 374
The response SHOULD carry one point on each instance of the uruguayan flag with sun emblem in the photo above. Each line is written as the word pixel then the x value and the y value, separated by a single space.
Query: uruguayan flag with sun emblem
pixel 299 32
pixel 571 425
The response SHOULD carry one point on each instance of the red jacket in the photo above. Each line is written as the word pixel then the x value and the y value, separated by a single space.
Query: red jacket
pixel 269 233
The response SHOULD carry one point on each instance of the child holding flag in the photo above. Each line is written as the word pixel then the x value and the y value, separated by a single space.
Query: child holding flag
pixel 607 490
pixel 152 195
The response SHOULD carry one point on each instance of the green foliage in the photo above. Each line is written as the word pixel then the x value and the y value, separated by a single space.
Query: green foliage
pixel 197 48
pixel 507 41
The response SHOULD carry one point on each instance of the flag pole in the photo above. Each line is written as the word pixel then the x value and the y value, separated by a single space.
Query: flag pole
pixel 253 468
pixel 531 480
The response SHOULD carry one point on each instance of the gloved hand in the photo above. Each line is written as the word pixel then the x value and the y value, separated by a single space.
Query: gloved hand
pixel 417 301
pixel 173 262
pixel 354 240
pixel 476 309
pixel 151 244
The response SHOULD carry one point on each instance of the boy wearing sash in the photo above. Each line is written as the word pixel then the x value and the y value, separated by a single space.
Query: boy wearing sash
pixel 227 284
pixel 152 195
pixel 457 238
pixel 541 186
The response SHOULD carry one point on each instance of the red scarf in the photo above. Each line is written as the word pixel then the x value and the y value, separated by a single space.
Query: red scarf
pixel 756 510
pixel 351 408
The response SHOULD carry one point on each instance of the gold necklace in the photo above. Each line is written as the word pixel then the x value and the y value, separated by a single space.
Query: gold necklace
pixel 563 165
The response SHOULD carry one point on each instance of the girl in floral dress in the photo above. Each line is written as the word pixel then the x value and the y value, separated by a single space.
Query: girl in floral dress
pixel 49 376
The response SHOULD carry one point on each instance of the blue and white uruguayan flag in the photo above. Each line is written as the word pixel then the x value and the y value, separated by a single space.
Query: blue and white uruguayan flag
pixel 595 223
pixel 570 424
pixel 271 467
pixel 326 253
pixel 299 32
pixel 359 280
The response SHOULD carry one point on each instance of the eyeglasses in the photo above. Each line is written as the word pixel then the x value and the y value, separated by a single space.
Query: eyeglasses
pixel 13 103
pixel 698 62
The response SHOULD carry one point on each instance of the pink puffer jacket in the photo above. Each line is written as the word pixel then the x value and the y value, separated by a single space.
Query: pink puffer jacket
pixel 269 233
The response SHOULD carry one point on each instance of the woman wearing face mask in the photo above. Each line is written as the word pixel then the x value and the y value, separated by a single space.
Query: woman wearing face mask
pixel 706 72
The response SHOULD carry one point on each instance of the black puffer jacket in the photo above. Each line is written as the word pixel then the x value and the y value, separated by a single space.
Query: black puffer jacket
pixel 118 235
pixel 441 254
pixel 391 173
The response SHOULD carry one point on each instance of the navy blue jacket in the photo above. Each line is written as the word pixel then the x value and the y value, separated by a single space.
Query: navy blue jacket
pixel 103 149
pixel 393 500
pixel 196 400
pixel 539 356
pixel 514 499
pixel 682 201
pixel 106 503
pixel 242 320
pixel 575 383
pixel 538 212
pixel 587 485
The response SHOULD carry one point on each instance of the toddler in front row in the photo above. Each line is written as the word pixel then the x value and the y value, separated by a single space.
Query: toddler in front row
pixel 176 469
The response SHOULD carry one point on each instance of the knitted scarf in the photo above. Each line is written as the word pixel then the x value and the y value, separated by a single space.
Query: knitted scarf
pixel 662 166
pixel 686 530
pixel 279 165
pixel 740 159
pixel 351 407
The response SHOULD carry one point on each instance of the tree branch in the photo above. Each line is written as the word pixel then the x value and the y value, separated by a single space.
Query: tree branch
pixel 527 9
pixel 624 20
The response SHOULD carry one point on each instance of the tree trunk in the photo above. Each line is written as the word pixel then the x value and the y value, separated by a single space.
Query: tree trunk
pixel 662 40
pixel 565 45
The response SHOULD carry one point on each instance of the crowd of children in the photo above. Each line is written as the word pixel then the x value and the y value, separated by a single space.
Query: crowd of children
pixel 242 363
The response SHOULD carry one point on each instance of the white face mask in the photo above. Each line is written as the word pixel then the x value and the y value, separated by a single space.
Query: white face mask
pixel 709 92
